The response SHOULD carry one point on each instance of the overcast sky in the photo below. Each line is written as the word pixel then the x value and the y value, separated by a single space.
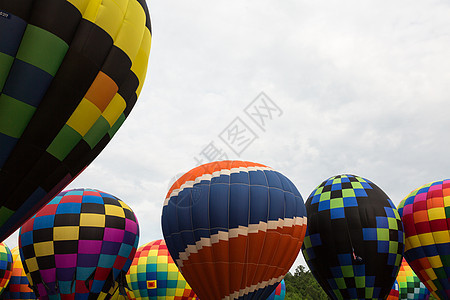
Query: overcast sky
pixel 358 87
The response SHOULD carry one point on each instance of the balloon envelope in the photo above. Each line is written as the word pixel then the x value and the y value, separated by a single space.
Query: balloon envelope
pixel 18 284
pixel 154 275
pixel 70 73
pixel 410 286
pixel 425 214
pixel 354 241
pixel 5 266
pixel 78 245
pixel 238 225
pixel 279 293
pixel 394 293
pixel 119 296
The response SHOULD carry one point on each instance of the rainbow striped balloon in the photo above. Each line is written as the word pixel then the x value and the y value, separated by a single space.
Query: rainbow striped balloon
pixel 5 266
pixel 234 228
pixel 18 285
pixel 426 217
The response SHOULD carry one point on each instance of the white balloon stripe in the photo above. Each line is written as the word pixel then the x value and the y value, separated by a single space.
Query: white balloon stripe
pixel 190 184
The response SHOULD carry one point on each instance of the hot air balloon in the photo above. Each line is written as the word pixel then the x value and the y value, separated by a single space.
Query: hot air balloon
pixel 154 275
pixel 121 293
pixel 5 266
pixel 425 214
pixel 79 245
pixel 17 288
pixel 70 73
pixel 410 286
pixel 279 293
pixel 118 296
pixel 238 225
pixel 355 240
pixel 394 293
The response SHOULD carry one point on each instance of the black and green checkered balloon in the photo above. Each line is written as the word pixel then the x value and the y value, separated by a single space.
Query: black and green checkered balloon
pixel 354 241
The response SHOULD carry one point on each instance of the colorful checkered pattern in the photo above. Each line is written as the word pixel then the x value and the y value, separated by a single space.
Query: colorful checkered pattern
pixel 18 285
pixel 394 294
pixel 70 73
pixel 81 236
pixel 279 293
pixel 5 266
pixel 410 286
pixel 387 228
pixel 426 216
pixel 154 275
pixel 354 240
pixel 339 192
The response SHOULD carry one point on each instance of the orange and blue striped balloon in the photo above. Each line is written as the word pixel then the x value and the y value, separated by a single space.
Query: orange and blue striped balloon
pixel 234 228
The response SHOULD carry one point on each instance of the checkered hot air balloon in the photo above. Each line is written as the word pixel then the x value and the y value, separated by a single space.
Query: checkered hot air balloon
pixel 410 286
pixel 5 266
pixel 17 288
pixel 78 245
pixel 234 228
pixel 121 293
pixel 279 293
pixel 426 216
pixel 70 73
pixel 119 296
pixel 355 240
pixel 154 275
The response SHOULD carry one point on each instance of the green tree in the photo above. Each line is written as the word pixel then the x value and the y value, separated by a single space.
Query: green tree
pixel 303 286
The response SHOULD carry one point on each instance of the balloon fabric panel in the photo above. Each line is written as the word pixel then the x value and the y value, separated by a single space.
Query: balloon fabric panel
pixel 394 293
pixel 410 286
pixel 239 224
pixel 71 72
pixel 82 236
pixel 154 275
pixel 5 266
pixel 116 295
pixel 18 285
pixel 425 214
pixel 355 240
pixel 279 293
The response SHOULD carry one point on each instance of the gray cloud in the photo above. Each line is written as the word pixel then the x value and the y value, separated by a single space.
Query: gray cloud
pixel 362 85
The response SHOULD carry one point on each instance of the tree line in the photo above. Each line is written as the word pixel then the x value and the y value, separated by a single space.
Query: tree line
pixel 303 286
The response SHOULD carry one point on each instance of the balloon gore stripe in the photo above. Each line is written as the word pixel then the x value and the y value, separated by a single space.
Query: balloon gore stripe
pixel 240 224
pixel 70 73
pixel 79 244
